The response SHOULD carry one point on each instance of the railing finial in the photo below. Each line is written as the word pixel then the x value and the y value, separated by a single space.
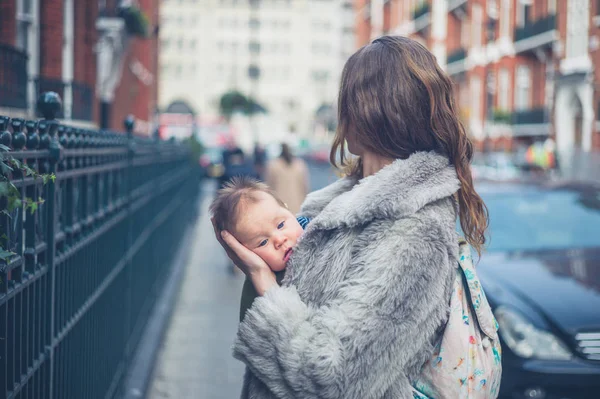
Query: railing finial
pixel 49 105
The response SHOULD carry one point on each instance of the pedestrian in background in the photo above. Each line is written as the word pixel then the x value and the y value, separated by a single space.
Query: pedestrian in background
pixel 260 160
pixel 287 175
pixel 236 163
pixel 372 302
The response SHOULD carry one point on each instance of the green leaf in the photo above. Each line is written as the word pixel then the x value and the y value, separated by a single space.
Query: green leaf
pixel 14 190
pixel 53 177
pixel 4 254
pixel 5 189
pixel 16 163
pixel 33 207
pixel 4 148
pixel 14 203
pixel 5 169
pixel 29 171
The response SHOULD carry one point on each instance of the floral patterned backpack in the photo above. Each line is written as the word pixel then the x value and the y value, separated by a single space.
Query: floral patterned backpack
pixel 466 361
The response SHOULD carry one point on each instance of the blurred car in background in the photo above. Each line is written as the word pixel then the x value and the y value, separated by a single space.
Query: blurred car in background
pixel 541 274
pixel 495 166
pixel 212 162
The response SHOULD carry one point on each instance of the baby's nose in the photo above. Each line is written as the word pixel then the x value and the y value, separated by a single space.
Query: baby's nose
pixel 280 239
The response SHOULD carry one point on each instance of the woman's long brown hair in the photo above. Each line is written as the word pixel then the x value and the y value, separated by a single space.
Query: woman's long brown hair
pixel 394 101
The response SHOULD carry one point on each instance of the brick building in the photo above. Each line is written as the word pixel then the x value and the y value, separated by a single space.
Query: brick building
pixel 87 52
pixel 523 69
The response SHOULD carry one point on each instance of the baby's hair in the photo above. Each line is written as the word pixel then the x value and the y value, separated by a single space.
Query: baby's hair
pixel 224 208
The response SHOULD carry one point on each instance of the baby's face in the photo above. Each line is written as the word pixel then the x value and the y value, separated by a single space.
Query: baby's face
pixel 268 229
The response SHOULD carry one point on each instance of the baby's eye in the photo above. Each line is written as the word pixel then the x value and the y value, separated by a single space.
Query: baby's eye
pixel 262 243
pixel 280 226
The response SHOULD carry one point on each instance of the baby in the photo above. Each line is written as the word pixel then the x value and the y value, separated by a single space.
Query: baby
pixel 261 222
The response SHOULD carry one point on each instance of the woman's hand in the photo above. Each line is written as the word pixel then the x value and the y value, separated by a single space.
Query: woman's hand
pixel 247 261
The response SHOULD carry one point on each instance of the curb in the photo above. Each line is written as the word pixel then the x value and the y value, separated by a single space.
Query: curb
pixel 141 368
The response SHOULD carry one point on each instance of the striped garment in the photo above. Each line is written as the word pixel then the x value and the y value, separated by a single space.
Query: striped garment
pixel 303 220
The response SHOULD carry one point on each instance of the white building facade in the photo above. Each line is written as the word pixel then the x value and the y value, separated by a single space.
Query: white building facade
pixel 299 46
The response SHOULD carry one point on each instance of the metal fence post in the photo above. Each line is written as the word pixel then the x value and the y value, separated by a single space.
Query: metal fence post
pixel 129 124
pixel 49 104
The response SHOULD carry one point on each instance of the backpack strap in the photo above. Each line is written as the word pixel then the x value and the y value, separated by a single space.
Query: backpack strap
pixel 477 299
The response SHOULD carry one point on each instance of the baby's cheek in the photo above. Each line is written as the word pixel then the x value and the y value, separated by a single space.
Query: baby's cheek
pixel 277 267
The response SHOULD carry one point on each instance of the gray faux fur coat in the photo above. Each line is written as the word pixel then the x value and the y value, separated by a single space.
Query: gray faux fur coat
pixel 367 290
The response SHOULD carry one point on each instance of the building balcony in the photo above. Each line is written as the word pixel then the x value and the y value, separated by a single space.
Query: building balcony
pixel 13 77
pixel 533 116
pixel 458 6
pixel 456 61
pixel 421 17
pixel 421 10
pixel 529 122
pixel 536 34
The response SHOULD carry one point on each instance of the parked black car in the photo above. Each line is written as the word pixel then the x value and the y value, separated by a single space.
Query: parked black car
pixel 541 274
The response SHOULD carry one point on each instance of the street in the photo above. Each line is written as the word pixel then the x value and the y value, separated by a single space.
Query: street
pixel 195 359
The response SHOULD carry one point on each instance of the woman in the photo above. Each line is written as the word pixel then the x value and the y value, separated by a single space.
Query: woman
pixel 367 290
pixel 288 177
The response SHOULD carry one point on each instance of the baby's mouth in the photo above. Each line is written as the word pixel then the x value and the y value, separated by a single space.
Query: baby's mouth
pixel 288 254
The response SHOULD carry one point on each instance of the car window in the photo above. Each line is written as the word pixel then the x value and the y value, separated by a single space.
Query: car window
pixel 534 220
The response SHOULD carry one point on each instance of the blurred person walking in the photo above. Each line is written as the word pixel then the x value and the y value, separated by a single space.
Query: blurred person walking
pixel 236 163
pixel 288 176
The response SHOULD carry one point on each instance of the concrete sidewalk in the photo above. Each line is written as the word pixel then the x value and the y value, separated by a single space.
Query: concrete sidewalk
pixel 195 358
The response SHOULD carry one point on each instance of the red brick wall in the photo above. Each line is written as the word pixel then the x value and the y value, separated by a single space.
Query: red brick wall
pixel 8 25
pixel 51 34
pixel 133 96
pixel 363 26
pixel 86 37
pixel 454 33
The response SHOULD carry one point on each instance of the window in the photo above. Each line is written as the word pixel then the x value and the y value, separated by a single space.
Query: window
pixel 476 97
pixel 523 88
pixel 503 87
pixel 24 21
pixel 254 47
pixel 505 19
pixel 320 76
pixel 164 43
pixel 476 25
pixel 254 23
pixel 193 44
pixel 180 44
pixel 523 12
pixel 464 34
pixel 178 71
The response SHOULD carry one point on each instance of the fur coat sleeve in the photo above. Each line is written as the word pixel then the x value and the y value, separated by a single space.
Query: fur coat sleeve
pixel 377 327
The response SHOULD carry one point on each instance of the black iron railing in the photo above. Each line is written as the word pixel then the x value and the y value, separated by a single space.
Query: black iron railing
pixel 13 77
pixel 420 10
pixel 529 117
pixel 90 262
pixel 83 98
pixel 540 26
pixel 457 55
